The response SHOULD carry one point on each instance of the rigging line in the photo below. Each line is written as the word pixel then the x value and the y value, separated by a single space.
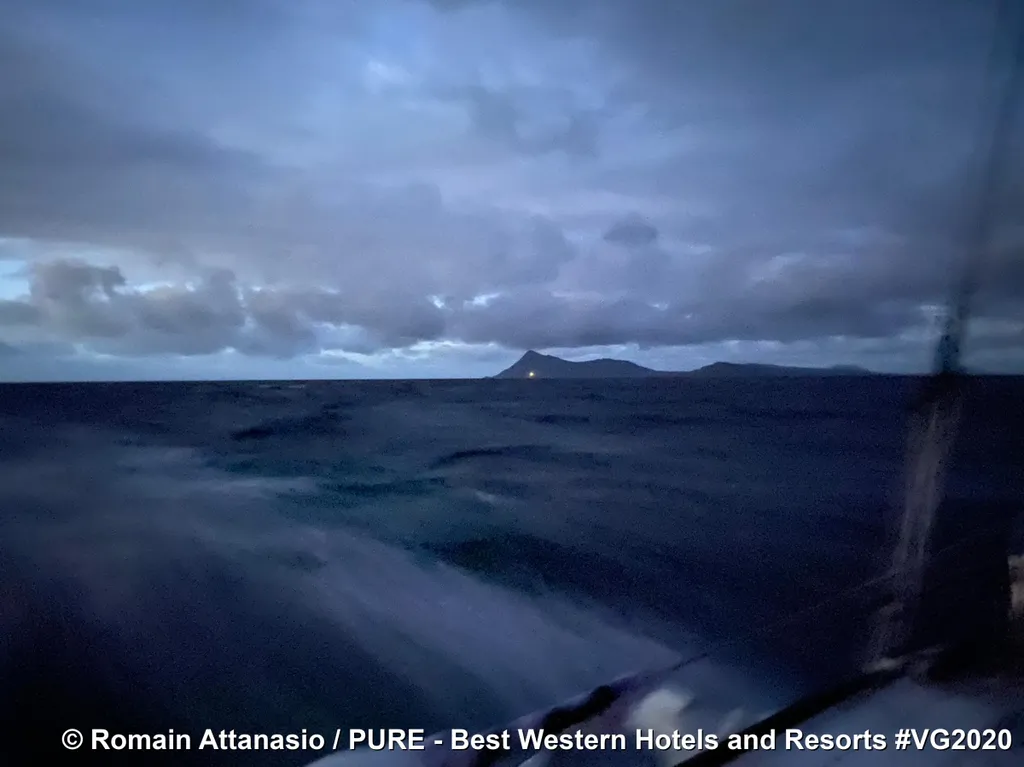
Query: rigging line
pixel 994 171
pixel 941 405
pixel 932 447
pixel 979 239
pixel 934 426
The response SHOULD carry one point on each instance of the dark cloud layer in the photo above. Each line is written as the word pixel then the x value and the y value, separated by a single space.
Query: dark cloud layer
pixel 80 302
pixel 283 178
pixel 632 230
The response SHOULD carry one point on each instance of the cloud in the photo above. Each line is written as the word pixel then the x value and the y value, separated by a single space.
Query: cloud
pixel 532 120
pixel 540 319
pixel 631 231
pixel 81 303
pixel 282 179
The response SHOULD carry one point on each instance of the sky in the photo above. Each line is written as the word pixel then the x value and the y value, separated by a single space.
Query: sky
pixel 428 188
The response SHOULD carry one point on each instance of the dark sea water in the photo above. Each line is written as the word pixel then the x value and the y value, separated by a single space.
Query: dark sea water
pixel 270 557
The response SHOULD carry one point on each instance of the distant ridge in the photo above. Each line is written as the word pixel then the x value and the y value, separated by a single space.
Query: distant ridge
pixel 747 370
pixel 536 365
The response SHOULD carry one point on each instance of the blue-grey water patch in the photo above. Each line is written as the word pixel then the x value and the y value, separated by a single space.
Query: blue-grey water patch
pixel 272 557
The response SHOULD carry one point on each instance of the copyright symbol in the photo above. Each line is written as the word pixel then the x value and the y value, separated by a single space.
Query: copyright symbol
pixel 72 739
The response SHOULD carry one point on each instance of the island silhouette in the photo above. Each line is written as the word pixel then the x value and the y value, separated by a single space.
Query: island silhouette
pixel 536 365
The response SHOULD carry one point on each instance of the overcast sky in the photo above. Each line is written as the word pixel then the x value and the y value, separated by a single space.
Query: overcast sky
pixel 427 188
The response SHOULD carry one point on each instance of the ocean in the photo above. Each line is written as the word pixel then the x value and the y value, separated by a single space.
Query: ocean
pixel 287 556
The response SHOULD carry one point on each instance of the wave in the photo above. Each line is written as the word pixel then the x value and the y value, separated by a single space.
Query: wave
pixel 328 422
pixel 177 593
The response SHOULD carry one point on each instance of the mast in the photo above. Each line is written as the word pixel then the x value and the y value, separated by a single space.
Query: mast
pixel 901 630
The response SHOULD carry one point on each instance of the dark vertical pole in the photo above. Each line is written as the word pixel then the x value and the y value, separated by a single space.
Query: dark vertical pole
pixel 907 624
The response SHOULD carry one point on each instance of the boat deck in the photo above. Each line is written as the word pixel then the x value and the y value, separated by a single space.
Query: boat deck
pixel 906 703
pixel 979 699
